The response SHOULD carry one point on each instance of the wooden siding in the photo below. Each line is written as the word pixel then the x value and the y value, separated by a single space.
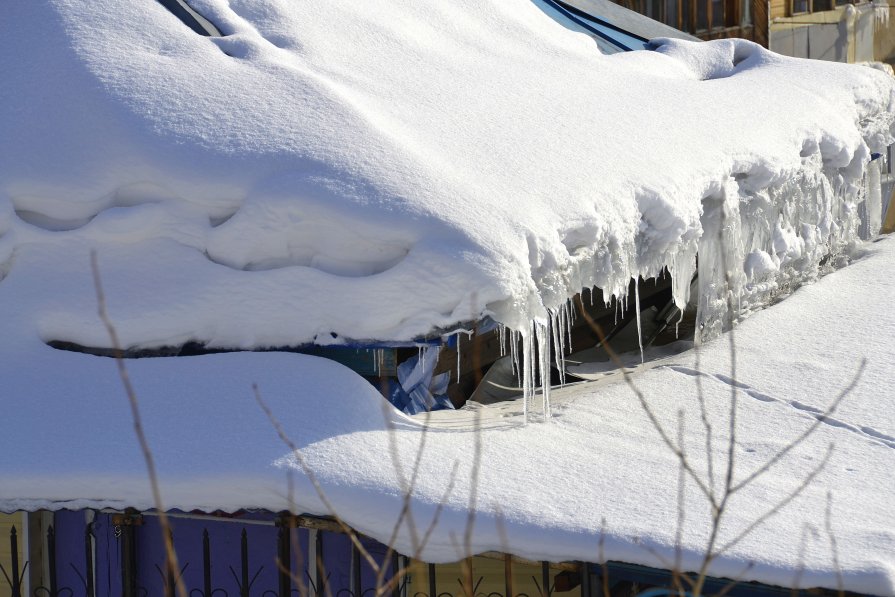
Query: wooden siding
pixel 7 521
pixel 779 8
pixel 761 21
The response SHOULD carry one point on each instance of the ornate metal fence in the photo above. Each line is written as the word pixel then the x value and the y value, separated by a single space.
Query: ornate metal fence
pixel 15 574
pixel 121 554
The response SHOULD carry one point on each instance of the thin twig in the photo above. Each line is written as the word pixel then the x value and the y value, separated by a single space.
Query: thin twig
pixel 309 473
pixel 440 507
pixel 828 525
pixel 776 508
pixel 821 418
pixel 681 511
pixel 736 581
pixel 170 554
pixel 604 577
pixel 473 493
pixel 598 329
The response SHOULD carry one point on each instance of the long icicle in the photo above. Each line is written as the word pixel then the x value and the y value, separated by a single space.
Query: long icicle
pixel 637 307
pixel 543 337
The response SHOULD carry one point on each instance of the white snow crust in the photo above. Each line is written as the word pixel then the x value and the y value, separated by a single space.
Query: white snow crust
pixel 333 171
pixel 381 170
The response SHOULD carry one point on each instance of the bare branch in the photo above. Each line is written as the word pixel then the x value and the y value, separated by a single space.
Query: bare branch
pixel 309 473
pixel 783 502
pixel 439 507
pixel 474 489
pixel 703 413
pixel 170 554
pixel 828 525
pixel 796 442
pixel 598 329
pixel 681 507
pixel 735 581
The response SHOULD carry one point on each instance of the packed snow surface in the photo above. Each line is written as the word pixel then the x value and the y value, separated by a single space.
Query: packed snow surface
pixel 544 490
pixel 331 171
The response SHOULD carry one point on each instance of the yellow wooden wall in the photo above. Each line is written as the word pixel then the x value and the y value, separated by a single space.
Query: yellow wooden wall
pixel 778 8
pixel 491 573
pixel 7 521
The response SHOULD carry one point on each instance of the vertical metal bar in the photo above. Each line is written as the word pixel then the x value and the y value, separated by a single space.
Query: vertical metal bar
pixel 244 564
pixel 396 583
pixel 51 557
pixel 545 577
pixel 14 550
pixel 88 560
pixel 284 571
pixel 128 560
pixel 318 564
pixel 206 564
pixel 585 580
pixel 432 588
pixel 693 15
pixel 508 575
pixel 356 590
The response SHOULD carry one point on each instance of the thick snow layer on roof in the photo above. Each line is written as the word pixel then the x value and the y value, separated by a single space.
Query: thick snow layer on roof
pixel 378 170
pixel 544 490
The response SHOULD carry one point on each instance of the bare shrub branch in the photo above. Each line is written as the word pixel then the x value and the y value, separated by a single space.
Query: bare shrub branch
pixel 170 555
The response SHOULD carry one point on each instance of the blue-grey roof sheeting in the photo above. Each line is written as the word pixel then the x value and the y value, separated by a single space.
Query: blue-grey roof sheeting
pixel 628 20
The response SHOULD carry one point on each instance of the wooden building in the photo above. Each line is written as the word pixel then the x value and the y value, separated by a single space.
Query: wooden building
pixel 835 30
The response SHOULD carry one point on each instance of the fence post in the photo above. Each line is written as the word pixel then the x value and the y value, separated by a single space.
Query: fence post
pixel 396 582
pixel 244 564
pixel 508 575
pixel 585 580
pixel 88 558
pixel 318 563
pixel 284 554
pixel 16 580
pixel 356 578
pixel 51 559
pixel 433 592
pixel 206 563
pixel 125 530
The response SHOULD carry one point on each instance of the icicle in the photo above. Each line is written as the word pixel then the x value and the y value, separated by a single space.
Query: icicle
pixel 683 266
pixel 637 307
pixel 543 338
pixel 527 385
pixel 556 333
pixel 880 14
pixel 514 351
pixel 873 201
pixel 458 356
pixel 569 314
pixel 565 326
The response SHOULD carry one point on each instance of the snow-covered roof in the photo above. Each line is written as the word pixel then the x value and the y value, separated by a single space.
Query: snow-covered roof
pixel 380 170
pixel 544 489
